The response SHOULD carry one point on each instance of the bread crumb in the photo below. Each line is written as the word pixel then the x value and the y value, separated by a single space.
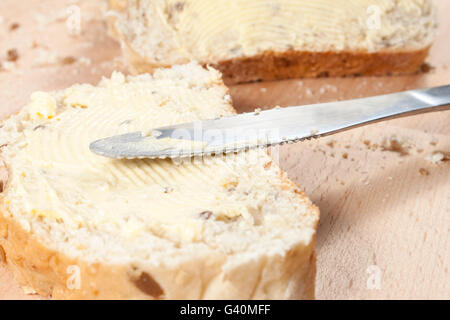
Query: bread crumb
pixel 45 58
pixel 34 44
pixel 68 60
pixel 438 157
pixel 424 172
pixel 14 26
pixel 345 155
pixel 73 22
pixel 85 61
pixel 257 111
pixel 395 145
pixel 8 66
pixel 12 55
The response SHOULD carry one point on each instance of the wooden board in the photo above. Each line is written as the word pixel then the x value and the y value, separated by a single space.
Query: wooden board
pixel 383 214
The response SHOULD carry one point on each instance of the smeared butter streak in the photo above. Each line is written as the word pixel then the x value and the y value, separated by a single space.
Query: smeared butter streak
pixel 64 180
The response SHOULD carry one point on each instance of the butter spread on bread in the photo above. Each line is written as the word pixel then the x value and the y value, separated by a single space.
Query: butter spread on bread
pixel 274 39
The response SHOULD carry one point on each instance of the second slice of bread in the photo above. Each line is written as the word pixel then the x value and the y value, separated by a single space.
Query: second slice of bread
pixel 276 39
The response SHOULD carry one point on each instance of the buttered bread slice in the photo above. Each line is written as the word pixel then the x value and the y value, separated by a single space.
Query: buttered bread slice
pixel 77 225
pixel 251 40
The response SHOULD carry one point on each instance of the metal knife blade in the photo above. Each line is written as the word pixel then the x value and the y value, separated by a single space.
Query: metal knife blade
pixel 271 127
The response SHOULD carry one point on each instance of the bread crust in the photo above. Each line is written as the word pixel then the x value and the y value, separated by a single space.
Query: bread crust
pixel 48 273
pixel 296 64
pixel 302 64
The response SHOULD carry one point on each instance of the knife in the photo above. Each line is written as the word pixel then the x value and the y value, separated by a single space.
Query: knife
pixel 271 127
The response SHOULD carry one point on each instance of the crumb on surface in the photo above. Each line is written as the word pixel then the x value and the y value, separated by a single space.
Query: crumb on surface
pixel 12 55
pixel 68 60
pixel 14 26
pixel 424 172
pixel 393 144
pixel 438 156
pixel 46 58
pixel 8 66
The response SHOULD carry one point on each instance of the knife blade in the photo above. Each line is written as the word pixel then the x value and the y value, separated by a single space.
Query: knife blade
pixel 266 128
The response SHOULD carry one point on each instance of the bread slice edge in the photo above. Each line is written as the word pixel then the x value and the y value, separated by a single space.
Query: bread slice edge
pixel 290 64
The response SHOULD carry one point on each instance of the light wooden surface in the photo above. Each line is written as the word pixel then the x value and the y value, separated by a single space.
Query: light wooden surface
pixel 381 212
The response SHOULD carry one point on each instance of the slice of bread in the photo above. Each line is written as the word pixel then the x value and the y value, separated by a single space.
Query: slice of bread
pixel 276 39
pixel 77 225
